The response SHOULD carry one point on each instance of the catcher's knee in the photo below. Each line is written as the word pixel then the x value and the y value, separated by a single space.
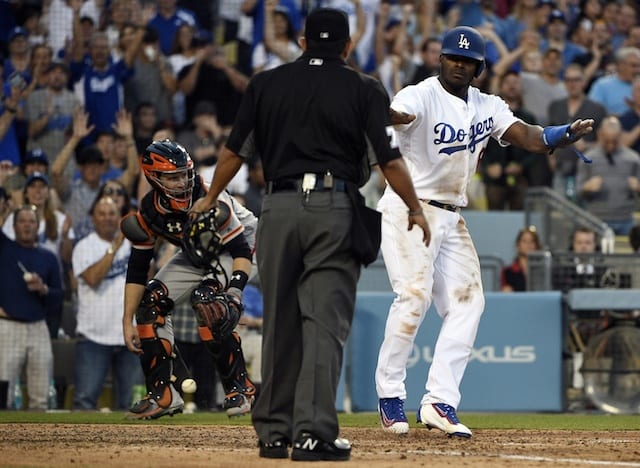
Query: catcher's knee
pixel 155 303
pixel 217 313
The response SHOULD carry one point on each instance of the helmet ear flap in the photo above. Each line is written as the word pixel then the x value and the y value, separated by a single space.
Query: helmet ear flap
pixel 480 68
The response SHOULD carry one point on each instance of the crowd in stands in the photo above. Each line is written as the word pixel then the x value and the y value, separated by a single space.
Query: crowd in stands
pixel 86 85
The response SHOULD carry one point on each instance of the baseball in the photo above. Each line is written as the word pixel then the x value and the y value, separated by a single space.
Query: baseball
pixel 27 277
pixel 189 386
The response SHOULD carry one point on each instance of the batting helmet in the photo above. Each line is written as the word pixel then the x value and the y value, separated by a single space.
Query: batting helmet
pixel 466 42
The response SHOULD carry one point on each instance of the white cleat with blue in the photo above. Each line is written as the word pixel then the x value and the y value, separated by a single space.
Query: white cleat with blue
pixel 392 416
pixel 442 416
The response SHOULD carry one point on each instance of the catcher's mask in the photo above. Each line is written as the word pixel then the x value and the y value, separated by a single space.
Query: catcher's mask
pixel 201 239
pixel 169 169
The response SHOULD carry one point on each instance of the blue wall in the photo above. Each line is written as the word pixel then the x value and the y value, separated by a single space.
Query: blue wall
pixel 515 366
pixel 494 232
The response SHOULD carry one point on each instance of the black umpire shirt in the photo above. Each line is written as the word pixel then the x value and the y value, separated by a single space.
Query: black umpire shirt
pixel 314 115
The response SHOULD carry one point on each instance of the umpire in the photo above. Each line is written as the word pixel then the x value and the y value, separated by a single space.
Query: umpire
pixel 314 123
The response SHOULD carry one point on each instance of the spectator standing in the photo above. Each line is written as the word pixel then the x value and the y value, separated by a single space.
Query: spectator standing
pixel 145 122
pixel 513 278
pixel 152 80
pixel 167 21
pixel 99 82
pixel 10 110
pixel 575 106
pixel 540 89
pixel 49 112
pixel 279 45
pixel 19 58
pixel 503 168
pixel 556 38
pixel 55 233
pixel 609 186
pixel 100 266
pixel 630 120
pixel 183 53
pixel 626 18
pixel 25 299
pixel 34 161
pixel 78 194
pixel 212 78
pixel 613 91
pixel 429 60
pixel 330 114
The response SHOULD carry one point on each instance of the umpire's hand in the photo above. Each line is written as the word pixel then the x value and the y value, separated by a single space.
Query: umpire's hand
pixel 202 205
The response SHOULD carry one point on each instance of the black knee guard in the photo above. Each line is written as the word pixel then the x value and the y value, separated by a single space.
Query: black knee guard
pixel 217 313
pixel 155 341
pixel 232 367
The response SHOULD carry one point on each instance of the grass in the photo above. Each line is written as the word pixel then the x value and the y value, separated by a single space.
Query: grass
pixel 531 421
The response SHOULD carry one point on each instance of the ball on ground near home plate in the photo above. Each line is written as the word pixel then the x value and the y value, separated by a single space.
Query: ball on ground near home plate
pixel 189 386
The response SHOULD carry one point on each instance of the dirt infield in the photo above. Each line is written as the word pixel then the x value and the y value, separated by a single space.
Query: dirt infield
pixel 66 445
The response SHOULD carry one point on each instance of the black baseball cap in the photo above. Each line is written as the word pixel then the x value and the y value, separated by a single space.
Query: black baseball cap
pixel 327 26
pixel 89 154
pixel 36 176
pixel 36 155
pixel 58 65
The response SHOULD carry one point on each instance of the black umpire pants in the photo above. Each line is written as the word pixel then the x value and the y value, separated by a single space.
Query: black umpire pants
pixel 309 277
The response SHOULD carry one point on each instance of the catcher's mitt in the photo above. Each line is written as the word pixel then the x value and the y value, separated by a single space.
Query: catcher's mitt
pixel 220 312
pixel 201 239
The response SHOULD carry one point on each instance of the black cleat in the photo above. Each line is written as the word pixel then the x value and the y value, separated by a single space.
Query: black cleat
pixel 277 449
pixel 308 447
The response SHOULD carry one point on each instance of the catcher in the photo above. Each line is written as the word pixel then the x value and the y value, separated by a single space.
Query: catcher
pixel 211 271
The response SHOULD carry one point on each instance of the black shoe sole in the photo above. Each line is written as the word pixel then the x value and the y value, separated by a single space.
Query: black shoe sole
pixel 274 452
pixel 306 455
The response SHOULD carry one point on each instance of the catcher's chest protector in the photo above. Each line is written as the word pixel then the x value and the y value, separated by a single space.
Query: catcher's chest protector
pixel 167 224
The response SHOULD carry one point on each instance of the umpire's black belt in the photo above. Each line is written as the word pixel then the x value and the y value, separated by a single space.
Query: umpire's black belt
pixel 444 206
pixel 295 185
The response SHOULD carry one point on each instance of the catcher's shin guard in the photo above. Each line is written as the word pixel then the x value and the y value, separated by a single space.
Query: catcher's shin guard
pixel 240 391
pixel 156 342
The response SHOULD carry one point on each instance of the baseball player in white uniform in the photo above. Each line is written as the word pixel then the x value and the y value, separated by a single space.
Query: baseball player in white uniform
pixel 443 127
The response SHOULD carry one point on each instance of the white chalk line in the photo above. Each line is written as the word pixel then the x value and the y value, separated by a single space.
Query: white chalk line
pixel 525 458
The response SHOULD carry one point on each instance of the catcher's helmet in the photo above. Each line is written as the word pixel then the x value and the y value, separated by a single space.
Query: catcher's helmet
pixel 165 158
pixel 201 239
pixel 466 42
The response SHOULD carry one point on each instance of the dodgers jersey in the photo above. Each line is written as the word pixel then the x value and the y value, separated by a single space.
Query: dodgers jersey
pixel 444 143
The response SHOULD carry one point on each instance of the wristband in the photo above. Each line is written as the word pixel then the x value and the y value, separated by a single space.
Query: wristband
pixel 553 135
pixel 238 279
pixel 416 212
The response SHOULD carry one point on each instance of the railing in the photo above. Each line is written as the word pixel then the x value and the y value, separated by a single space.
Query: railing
pixel 567 270
pixel 555 218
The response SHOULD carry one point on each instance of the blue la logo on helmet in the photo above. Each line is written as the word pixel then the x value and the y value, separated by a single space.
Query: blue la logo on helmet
pixel 466 42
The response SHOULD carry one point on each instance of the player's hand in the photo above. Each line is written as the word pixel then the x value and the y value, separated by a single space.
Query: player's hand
pixel 131 338
pixel 580 128
pixel 201 205
pixel 421 221
pixel 400 118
